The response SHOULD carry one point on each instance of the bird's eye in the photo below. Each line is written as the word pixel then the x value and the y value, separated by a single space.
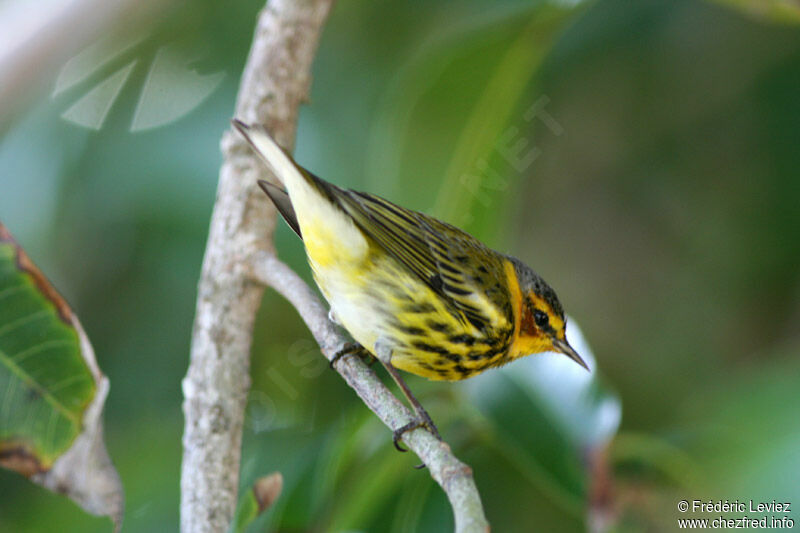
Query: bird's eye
pixel 541 318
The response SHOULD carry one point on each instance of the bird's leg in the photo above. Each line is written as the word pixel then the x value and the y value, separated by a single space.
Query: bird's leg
pixel 422 418
pixel 353 348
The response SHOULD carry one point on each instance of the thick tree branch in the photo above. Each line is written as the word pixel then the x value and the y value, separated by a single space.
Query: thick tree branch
pixel 239 261
pixel 275 82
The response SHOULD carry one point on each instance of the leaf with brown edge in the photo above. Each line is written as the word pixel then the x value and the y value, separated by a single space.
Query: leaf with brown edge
pixel 51 390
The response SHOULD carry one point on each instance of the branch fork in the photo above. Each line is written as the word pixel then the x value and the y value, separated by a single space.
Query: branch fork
pixel 239 262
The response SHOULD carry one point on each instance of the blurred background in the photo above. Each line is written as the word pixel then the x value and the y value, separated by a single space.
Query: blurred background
pixel 641 156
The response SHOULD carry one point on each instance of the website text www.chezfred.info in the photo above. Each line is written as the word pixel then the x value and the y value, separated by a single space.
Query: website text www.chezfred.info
pixel 722 514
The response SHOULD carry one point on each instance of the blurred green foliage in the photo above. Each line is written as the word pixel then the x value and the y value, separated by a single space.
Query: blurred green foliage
pixel 662 201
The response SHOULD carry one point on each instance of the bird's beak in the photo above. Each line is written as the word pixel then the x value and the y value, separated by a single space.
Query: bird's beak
pixel 564 347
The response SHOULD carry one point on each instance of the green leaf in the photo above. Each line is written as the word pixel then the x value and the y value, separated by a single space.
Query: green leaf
pixel 378 477
pixel 490 64
pixel 751 414
pixel 489 120
pixel 552 418
pixel 52 390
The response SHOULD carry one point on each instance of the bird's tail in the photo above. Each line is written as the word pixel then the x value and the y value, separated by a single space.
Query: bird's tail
pixel 281 163
pixel 307 200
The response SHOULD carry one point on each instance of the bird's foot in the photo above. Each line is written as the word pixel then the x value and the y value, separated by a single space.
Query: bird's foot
pixel 420 420
pixel 352 348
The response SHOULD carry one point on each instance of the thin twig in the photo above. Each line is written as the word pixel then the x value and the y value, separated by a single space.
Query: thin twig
pixel 454 476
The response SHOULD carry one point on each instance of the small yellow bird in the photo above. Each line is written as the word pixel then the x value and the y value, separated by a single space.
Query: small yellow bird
pixel 417 293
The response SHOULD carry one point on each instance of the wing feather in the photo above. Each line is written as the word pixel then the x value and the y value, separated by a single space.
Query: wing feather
pixel 442 256
pixel 282 203
pixel 469 277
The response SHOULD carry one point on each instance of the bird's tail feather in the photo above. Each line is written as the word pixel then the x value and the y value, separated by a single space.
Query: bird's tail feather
pixel 281 163
pixel 303 193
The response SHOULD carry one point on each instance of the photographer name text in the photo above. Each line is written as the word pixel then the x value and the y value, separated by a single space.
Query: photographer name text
pixel 737 506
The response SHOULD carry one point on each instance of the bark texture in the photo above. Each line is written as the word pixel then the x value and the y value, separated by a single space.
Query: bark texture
pixel 239 262
pixel 275 82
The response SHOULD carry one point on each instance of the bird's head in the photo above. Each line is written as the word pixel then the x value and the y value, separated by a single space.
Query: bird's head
pixel 542 325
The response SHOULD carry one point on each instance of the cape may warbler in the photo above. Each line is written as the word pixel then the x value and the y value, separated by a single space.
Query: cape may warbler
pixel 417 293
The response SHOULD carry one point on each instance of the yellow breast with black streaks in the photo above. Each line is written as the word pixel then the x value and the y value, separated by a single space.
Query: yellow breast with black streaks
pixel 377 299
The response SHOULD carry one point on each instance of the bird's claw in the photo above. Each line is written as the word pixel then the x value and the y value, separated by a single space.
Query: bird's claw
pixel 422 420
pixel 352 348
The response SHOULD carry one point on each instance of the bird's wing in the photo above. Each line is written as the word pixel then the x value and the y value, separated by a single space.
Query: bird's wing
pixel 445 258
pixel 451 262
